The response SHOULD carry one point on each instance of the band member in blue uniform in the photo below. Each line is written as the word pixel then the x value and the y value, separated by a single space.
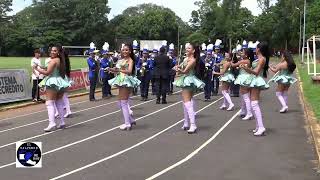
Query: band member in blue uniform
pixel 172 72
pixel 217 63
pixel 144 73
pixel 93 72
pixel 207 78
pixel 104 74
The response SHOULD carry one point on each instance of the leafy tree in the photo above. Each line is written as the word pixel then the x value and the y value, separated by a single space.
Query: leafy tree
pixel 197 38
pixel 148 21
pixel 4 9
pixel 70 22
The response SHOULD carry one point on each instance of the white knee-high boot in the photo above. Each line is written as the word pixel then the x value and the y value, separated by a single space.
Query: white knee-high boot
pixel 282 102
pixel 67 105
pixel 246 98
pixel 126 115
pixel 243 107
pixel 258 115
pixel 191 115
pixel 228 99
pixel 60 107
pixel 225 102
pixel 186 118
pixel 285 96
pixel 50 107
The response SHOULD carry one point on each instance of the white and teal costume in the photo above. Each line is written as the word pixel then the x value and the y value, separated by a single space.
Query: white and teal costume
pixel 55 81
pixel 257 81
pixel 122 79
pixel 284 77
pixel 188 81
pixel 243 78
pixel 227 76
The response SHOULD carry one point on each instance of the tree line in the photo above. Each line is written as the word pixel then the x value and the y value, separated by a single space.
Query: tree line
pixel 79 22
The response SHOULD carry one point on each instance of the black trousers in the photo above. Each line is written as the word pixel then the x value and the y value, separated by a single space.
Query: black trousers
pixel 215 84
pixel 106 88
pixel 36 89
pixel 161 87
pixel 93 84
pixel 171 80
pixel 145 83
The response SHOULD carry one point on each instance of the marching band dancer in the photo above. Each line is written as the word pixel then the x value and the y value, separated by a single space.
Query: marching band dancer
pixel 258 71
pixel 55 84
pixel 93 71
pixel 172 73
pixel 226 77
pixel 144 73
pixel 189 83
pixel 207 78
pixel 247 58
pixel 216 67
pixel 125 80
pixel 104 74
pixel 284 78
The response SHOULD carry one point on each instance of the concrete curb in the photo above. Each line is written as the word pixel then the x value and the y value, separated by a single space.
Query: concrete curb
pixel 313 126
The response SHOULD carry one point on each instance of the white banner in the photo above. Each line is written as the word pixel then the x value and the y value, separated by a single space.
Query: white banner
pixel 151 44
pixel 14 85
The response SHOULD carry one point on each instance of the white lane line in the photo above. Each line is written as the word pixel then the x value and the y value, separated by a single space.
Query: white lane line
pixel 194 152
pixel 125 150
pixel 45 110
pixel 45 120
pixel 45 134
pixel 36 112
pixel 99 134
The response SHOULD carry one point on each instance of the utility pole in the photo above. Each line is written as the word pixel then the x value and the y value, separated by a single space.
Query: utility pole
pixel 304 30
pixel 300 19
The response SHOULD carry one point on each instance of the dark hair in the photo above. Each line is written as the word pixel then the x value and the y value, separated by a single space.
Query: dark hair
pixel 264 50
pixel 162 50
pixel 289 59
pixel 249 53
pixel 234 58
pixel 36 51
pixel 196 55
pixel 67 61
pixel 62 56
pixel 132 56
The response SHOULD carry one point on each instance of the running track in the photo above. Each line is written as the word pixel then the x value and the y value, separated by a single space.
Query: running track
pixel 93 148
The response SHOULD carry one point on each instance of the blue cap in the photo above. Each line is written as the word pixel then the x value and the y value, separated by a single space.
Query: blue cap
pixel 135 47
pixel 103 52
pixel 91 51
pixel 145 51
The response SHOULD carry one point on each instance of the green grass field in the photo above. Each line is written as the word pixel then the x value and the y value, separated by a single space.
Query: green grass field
pixel 25 63
pixel 311 91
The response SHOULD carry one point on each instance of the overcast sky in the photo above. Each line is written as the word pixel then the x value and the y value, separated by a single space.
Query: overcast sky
pixel 117 6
